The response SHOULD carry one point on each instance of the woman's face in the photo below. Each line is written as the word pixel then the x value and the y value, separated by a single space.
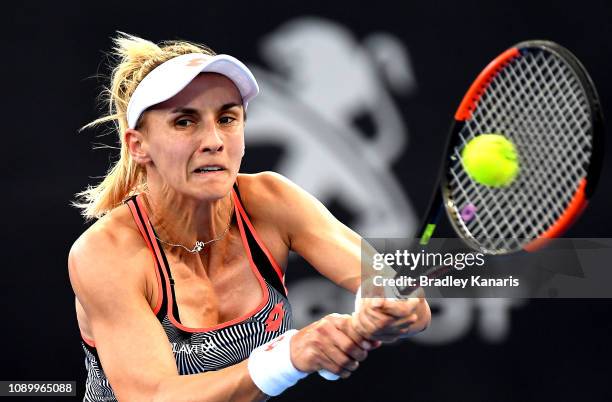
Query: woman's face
pixel 194 141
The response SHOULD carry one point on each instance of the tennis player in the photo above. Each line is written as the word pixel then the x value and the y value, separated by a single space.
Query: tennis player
pixel 179 283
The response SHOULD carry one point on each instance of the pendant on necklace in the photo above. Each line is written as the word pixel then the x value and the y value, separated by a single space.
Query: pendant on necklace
pixel 199 246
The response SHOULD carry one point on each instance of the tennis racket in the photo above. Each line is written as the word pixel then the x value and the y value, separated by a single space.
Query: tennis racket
pixel 539 96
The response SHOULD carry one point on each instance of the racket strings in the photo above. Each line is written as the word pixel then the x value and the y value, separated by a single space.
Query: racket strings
pixel 537 101
pixel 562 154
pixel 506 201
pixel 542 168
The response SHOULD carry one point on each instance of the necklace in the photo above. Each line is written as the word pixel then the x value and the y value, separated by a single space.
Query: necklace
pixel 199 245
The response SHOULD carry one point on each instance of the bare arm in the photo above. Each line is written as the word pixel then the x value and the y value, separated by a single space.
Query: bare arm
pixel 131 343
pixel 333 249
pixel 305 226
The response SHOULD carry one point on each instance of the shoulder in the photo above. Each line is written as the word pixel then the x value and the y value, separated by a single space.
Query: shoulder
pixel 266 187
pixel 114 232
pixel 273 198
pixel 107 255
pixel 270 194
pixel 264 184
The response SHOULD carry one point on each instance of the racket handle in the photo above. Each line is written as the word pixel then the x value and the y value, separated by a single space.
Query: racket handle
pixel 328 375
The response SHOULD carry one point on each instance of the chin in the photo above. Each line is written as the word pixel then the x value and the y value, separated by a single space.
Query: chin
pixel 212 191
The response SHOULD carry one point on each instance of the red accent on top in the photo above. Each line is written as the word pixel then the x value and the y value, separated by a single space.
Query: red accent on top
pixel 569 216
pixel 468 104
pixel 252 265
pixel 88 341
pixel 160 292
pixel 261 244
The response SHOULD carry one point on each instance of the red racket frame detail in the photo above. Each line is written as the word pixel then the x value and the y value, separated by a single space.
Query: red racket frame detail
pixel 468 104
pixel 569 216
pixel 464 112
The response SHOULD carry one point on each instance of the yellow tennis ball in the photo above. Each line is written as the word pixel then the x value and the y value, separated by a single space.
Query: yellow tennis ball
pixel 491 159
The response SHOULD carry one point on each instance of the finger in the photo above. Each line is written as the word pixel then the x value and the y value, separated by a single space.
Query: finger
pixel 329 366
pixel 363 325
pixel 374 324
pixel 343 351
pixel 348 346
pixel 401 308
pixel 341 348
pixel 396 331
pixel 378 317
pixel 404 322
pixel 356 345
pixel 401 326
pixel 408 322
pixel 418 293
pixel 375 302
pixel 372 328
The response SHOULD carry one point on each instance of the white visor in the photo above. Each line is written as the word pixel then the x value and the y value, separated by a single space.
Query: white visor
pixel 169 78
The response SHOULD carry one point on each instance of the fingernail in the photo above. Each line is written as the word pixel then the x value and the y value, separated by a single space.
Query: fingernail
pixel 377 302
pixel 366 345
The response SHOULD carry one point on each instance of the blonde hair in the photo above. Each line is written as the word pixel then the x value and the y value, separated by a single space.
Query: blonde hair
pixel 134 58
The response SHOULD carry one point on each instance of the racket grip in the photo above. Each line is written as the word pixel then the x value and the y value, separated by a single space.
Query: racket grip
pixel 328 375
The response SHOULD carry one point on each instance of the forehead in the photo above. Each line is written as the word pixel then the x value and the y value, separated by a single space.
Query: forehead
pixel 206 90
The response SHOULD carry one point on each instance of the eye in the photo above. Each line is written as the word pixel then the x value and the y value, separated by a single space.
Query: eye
pixel 226 120
pixel 184 122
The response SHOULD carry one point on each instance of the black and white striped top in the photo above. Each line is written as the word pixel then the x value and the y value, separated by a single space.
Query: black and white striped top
pixel 205 349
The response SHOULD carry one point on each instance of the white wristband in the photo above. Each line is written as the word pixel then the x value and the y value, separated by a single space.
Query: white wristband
pixel 358 299
pixel 270 365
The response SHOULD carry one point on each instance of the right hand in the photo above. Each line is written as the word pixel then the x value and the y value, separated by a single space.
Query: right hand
pixel 388 320
pixel 330 344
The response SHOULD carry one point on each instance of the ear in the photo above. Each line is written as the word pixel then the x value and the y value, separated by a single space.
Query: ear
pixel 136 145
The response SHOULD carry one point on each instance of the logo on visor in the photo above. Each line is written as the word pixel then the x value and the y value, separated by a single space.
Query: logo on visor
pixel 196 62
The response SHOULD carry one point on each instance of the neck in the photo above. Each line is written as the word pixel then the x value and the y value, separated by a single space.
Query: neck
pixel 182 220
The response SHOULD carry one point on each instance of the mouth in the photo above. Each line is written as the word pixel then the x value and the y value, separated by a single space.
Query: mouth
pixel 209 169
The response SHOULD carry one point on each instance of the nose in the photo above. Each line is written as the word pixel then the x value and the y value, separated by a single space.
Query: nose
pixel 211 139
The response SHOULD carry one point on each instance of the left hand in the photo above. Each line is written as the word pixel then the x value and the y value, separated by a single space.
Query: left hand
pixel 388 320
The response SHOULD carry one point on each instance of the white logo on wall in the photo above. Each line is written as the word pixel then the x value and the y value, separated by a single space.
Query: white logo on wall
pixel 322 79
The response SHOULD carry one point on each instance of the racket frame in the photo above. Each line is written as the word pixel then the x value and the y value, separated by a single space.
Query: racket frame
pixel 440 200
